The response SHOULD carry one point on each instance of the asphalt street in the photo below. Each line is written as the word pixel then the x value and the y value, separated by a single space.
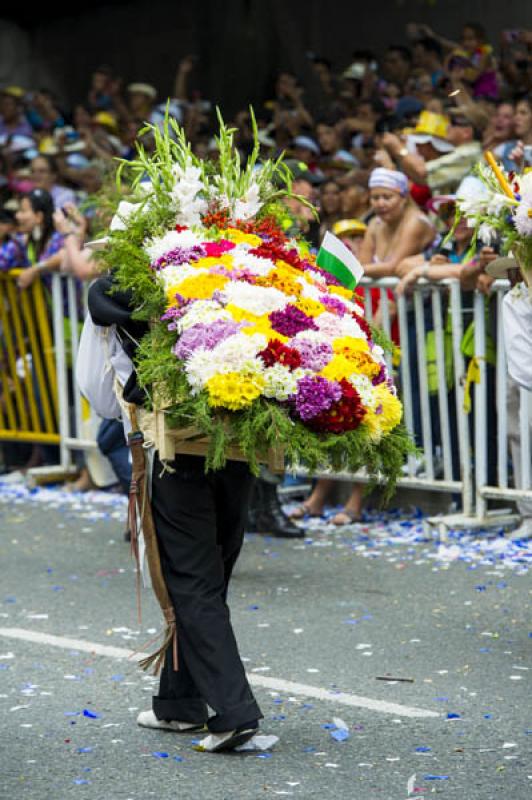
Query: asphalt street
pixel 332 613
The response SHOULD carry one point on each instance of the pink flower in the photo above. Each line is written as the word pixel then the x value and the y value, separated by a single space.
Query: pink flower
pixel 216 249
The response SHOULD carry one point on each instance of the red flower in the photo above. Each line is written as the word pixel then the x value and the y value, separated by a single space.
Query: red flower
pixel 278 353
pixel 363 324
pixel 344 415
pixel 180 228
pixel 266 228
pixel 276 252
pixel 216 218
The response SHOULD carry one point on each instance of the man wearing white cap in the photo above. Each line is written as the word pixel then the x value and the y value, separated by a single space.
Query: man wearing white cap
pixel 445 151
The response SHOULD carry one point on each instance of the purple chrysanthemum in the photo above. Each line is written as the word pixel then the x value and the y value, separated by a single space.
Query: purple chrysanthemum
pixel 178 256
pixel 333 304
pixel 314 355
pixel 204 335
pixel 291 321
pixel 314 395
pixel 381 377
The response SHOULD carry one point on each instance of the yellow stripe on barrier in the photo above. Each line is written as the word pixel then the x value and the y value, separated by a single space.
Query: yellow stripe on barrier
pixel 29 436
pixel 12 361
pixel 6 396
pixel 38 361
pixel 46 339
pixel 21 346
pixel 29 402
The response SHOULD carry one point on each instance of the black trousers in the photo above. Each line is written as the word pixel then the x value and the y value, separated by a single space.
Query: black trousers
pixel 199 519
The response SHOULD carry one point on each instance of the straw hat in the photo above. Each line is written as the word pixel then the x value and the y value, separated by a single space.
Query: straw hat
pixel 349 227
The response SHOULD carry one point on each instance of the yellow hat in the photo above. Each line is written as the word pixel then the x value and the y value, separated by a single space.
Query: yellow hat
pixel 431 124
pixel 107 119
pixel 433 128
pixel 353 227
pixel 48 146
pixel 14 91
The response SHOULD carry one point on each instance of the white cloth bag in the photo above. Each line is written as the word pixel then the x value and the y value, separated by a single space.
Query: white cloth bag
pixel 100 360
pixel 517 327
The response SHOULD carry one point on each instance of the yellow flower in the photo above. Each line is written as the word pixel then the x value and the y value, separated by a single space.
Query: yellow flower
pixel 282 280
pixel 312 308
pixel 238 237
pixel 347 294
pixel 356 351
pixel 391 406
pixel 338 367
pixel 225 260
pixel 349 346
pixel 234 390
pixel 199 287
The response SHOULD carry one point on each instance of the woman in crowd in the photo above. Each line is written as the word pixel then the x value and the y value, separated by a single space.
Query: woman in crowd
pixel 330 205
pixel 522 125
pixel 44 175
pixel 398 229
pixel 37 246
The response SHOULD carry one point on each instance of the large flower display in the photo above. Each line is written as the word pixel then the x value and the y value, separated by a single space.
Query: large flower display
pixel 250 342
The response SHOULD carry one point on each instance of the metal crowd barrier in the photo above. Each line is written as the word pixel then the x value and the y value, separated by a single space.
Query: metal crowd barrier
pixel 28 372
pixel 462 453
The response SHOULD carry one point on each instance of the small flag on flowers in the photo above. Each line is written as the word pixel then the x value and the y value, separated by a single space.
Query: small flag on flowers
pixel 335 257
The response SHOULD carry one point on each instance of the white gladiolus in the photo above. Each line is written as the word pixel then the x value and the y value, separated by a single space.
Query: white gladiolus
pixel 487 234
pixel 249 205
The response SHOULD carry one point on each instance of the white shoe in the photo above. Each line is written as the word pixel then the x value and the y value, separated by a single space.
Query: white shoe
pixel 147 719
pixel 524 531
pixel 216 742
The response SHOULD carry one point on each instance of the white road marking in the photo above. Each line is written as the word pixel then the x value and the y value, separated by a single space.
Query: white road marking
pixel 266 682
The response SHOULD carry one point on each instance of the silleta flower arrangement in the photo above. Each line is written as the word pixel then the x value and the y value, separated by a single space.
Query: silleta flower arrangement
pixel 250 342
pixel 500 210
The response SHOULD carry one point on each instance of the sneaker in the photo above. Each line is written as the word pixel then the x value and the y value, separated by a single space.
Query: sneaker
pixel 147 719
pixel 218 742
pixel 523 532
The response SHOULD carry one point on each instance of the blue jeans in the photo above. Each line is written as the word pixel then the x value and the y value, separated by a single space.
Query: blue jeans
pixel 112 444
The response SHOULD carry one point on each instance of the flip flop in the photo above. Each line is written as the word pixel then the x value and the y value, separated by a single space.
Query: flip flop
pixel 302 511
pixel 350 515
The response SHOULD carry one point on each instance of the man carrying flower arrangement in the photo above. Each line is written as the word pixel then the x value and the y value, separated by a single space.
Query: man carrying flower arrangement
pixel 245 350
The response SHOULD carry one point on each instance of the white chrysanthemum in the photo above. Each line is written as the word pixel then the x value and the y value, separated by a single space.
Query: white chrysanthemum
pixel 249 205
pixel 238 353
pixel 319 278
pixel 365 389
pixel 257 265
pixel 378 353
pixel 255 299
pixel 525 187
pixel 487 233
pixel 177 273
pixel 199 368
pixel 311 336
pixel 329 325
pixel 158 247
pixel 523 220
pixel 204 311
pixel 309 290
pixel 280 383
pixel 350 327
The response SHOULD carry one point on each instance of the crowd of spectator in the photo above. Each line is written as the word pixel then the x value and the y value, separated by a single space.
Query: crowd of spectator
pixel 380 145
